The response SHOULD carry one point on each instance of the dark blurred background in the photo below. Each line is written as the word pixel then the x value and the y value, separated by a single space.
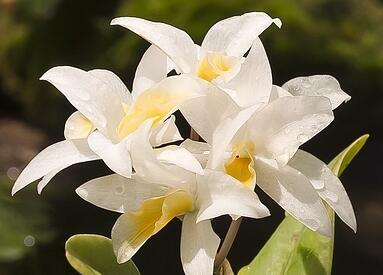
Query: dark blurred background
pixel 343 38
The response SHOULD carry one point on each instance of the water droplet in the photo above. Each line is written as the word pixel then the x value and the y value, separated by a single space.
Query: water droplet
pixel 29 241
pixel 302 138
pixel 287 131
pixel 89 109
pixel 119 190
pixel 332 197
pixel 317 184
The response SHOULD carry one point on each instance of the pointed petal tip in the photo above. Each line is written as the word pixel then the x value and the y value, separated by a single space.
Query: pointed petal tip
pixel 121 259
pixel 117 21
pixel 277 22
pixel 352 224
pixel 200 218
pixel 122 256
pixel 14 191
pixel 114 21
pixel 48 74
pixel 266 212
pixel 45 76
pixel 354 229
pixel 82 192
pixel 16 187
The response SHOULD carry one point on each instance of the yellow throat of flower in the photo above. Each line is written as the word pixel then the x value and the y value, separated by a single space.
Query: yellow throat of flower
pixel 240 165
pixel 155 213
pixel 214 65
pixel 154 103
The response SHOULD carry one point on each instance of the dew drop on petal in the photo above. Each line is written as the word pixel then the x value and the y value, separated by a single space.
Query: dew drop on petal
pixel 119 190
pixel 317 184
pixel 302 138
pixel 332 197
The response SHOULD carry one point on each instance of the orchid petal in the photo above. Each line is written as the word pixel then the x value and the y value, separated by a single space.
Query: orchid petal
pixel 252 85
pixel 224 134
pixel 277 92
pixel 220 194
pixel 206 112
pixel 199 245
pixel 152 68
pixel 46 179
pixel 327 184
pixel 88 92
pixel 176 43
pixel 286 123
pixel 149 168
pixel 165 132
pixel 57 156
pixel 159 102
pixel 200 150
pixel 133 229
pixel 114 83
pixel 116 156
pixel 235 35
pixel 119 194
pixel 318 85
pixel 77 126
pixel 179 156
pixel 294 193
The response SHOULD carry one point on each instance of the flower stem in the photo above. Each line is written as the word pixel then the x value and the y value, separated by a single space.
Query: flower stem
pixel 231 232
pixel 227 243
pixel 194 135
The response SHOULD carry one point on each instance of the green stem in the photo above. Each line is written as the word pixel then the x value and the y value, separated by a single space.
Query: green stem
pixel 227 243
pixel 231 232
pixel 194 135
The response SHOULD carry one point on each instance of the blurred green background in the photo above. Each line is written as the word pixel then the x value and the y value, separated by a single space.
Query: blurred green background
pixel 343 38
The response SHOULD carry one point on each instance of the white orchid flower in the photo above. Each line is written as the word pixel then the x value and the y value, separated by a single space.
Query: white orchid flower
pixel 108 114
pixel 318 85
pixel 169 182
pixel 261 148
pixel 220 58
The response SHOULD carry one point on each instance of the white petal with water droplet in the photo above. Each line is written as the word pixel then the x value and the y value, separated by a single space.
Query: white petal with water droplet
pixel 294 192
pixel 328 186
pixel 318 85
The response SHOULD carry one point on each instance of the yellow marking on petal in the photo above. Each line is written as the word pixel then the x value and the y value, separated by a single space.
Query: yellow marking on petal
pixel 154 214
pixel 125 107
pixel 214 65
pixel 153 103
pixel 240 166
pixel 78 126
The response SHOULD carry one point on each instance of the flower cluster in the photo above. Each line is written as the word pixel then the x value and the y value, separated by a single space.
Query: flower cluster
pixel 252 131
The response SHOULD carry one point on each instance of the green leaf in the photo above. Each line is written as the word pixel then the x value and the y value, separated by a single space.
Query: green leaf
pixel 341 161
pixel 93 255
pixel 295 249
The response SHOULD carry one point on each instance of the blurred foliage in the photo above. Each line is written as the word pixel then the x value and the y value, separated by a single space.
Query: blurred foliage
pixel 341 37
pixel 22 224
